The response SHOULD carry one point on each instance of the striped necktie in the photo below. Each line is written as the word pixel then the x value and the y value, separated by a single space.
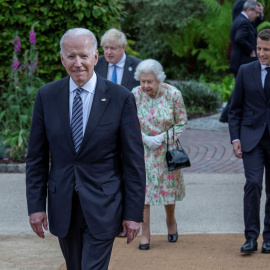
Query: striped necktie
pixel 114 75
pixel 77 119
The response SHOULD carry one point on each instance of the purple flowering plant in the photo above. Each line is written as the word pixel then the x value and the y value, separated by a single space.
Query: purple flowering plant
pixel 18 99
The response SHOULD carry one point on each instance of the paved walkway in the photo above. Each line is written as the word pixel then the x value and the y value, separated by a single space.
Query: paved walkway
pixel 213 201
pixel 208 145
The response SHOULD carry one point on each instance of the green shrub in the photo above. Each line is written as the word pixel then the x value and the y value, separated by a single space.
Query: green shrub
pixel 262 26
pixel 18 98
pixel 2 148
pixel 199 98
pixel 55 18
pixel 224 88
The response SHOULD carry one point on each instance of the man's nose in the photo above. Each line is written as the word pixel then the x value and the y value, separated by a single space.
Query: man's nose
pixel 78 61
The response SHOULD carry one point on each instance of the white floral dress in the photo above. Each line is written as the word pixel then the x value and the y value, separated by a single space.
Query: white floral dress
pixel 157 116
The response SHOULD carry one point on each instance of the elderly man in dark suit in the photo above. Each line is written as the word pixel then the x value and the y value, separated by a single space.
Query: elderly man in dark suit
pixel 238 8
pixel 249 124
pixel 243 43
pixel 88 128
pixel 116 65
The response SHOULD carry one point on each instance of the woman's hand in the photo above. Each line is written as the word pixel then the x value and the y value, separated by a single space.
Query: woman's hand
pixel 153 142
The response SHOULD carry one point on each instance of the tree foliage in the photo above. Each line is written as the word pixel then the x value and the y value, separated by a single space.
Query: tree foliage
pixel 54 18
pixel 155 25
pixel 187 37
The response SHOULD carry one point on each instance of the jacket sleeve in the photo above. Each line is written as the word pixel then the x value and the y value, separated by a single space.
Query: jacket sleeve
pixel 132 162
pixel 37 161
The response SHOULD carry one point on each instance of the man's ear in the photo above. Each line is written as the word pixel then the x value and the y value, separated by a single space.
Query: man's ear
pixel 96 56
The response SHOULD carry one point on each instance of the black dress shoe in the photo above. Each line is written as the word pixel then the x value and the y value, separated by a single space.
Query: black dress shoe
pixel 250 246
pixel 173 237
pixel 144 246
pixel 266 246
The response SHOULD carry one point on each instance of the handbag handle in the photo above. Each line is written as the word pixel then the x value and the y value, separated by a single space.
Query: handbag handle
pixel 177 141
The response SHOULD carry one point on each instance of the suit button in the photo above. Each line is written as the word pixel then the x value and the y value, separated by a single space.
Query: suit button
pixel 76 163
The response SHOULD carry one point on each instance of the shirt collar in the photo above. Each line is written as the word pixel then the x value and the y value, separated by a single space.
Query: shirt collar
pixel 264 67
pixel 121 63
pixel 89 86
pixel 245 14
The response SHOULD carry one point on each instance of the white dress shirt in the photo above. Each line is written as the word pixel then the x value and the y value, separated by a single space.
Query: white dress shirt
pixel 87 97
pixel 263 73
pixel 119 71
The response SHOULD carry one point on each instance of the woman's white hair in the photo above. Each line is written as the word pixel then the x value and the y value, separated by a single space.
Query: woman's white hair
pixel 79 32
pixel 150 66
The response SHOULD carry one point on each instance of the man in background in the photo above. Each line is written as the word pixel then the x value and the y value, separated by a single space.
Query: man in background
pixel 238 8
pixel 116 65
pixel 243 37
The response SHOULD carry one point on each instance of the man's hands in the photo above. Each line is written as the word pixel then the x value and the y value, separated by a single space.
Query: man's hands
pixel 237 149
pixel 253 54
pixel 131 228
pixel 37 220
pixel 260 10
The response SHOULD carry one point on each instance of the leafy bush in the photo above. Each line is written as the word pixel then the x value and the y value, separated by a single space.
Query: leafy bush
pixel 199 98
pixel 262 26
pixel 195 44
pixel 2 148
pixel 224 88
pixel 55 18
pixel 18 98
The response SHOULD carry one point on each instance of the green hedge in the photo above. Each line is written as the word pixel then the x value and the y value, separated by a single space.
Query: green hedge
pixel 54 18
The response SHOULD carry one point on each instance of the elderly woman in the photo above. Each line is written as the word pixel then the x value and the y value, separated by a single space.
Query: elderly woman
pixel 160 109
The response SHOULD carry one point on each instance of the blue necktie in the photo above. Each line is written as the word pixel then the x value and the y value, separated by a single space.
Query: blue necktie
pixel 77 120
pixel 114 75
pixel 267 84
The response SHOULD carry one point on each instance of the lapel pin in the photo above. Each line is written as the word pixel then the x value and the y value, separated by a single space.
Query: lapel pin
pixel 103 99
pixel 130 68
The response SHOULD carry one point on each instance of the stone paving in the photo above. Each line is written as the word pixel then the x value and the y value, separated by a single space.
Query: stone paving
pixel 207 142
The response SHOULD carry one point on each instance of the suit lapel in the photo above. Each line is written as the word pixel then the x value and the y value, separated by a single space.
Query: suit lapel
pixel 257 78
pixel 128 68
pixel 99 105
pixel 61 98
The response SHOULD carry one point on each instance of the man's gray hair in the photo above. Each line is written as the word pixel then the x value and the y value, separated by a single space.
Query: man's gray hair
pixel 114 35
pixel 79 32
pixel 250 4
pixel 150 66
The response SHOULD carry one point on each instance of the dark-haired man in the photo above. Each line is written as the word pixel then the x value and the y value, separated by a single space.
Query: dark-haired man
pixel 249 125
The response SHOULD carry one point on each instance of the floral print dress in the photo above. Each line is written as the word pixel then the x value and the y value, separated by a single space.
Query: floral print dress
pixel 157 116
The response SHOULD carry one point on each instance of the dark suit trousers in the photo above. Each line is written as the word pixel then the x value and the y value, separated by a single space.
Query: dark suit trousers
pixel 80 249
pixel 255 162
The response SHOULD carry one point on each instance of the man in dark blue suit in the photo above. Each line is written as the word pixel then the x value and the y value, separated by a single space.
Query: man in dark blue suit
pixel 238 8
pixel 249 125
pixel 87 127
pixel 114 44
pixel 243 43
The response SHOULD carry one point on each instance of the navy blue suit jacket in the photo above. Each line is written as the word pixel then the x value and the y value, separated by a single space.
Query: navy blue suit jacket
pixel 249 113
pixel 109 166
pixel 243 41
pixel 128 80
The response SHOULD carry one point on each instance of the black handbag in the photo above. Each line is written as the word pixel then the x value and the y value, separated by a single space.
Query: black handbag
pixel 178 158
